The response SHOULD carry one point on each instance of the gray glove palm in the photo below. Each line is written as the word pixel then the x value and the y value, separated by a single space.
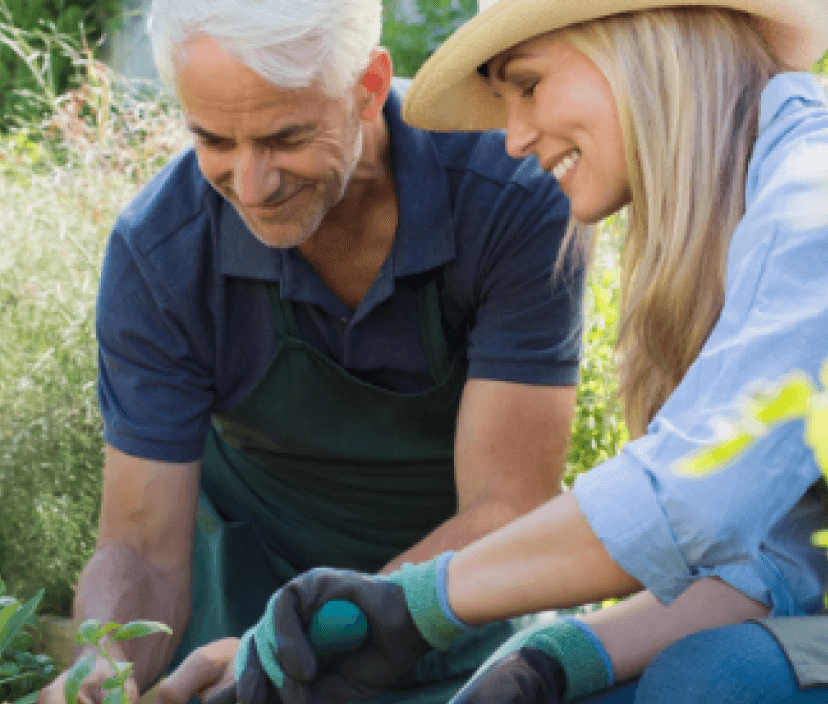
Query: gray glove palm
pixel 405 621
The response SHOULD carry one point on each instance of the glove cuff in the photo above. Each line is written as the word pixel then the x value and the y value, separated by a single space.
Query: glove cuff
pixel 579 652
pixel 263 633
pixel 425 588
pixel 574 646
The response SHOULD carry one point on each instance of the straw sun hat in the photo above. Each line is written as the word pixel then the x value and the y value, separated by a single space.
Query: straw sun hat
pixel 449 94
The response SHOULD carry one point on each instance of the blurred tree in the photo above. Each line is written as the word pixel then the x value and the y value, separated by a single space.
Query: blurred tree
pixel 413 29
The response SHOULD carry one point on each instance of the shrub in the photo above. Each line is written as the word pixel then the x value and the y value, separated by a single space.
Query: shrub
pixel 598 429
pixel 42 67
pixel 23 671
pixel 412 37
pixel 62 183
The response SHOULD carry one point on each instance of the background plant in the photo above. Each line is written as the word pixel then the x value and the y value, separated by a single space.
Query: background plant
pixel 23 672
pixel 412 31
pixel 63 179
pixel 32 25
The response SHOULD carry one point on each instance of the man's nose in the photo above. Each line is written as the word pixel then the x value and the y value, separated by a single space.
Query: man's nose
pixel 255 177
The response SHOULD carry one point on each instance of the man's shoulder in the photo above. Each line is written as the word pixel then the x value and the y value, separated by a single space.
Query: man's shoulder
pixel 169 205
pixel 482 154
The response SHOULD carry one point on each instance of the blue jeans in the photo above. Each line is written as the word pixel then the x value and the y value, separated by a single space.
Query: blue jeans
pixel 740 664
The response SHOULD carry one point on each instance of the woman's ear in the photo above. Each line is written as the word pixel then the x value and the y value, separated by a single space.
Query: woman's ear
pixel 375 83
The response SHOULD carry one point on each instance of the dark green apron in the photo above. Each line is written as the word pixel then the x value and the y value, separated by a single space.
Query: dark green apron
pixel 317 468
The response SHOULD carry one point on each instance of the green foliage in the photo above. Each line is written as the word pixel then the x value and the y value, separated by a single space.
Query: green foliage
pixel 43 69
pixel 598 430
pixel 412 38
pixel 62 183
pixel 23 671
pixel 91 632
pixel 821 66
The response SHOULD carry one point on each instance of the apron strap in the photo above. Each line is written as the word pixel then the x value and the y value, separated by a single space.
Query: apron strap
pixel 431 330
pixel 283 316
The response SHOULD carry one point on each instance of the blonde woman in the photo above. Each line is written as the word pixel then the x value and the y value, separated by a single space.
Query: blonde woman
pixel 694 117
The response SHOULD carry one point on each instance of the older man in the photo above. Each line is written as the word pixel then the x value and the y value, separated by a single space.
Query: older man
pixel 326 338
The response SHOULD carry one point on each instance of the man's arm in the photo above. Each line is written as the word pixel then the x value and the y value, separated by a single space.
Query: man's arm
pixel 510 450
pixel 141 568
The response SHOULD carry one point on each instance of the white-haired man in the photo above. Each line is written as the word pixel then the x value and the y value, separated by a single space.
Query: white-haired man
pixel 326 338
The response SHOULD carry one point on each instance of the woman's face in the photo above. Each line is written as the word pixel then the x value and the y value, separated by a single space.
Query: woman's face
pixel 560 107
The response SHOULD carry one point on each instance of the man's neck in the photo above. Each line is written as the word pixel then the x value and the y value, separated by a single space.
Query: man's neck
pixel 356 235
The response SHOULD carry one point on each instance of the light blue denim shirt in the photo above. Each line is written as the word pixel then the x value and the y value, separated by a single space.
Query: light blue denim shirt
pixel 749 524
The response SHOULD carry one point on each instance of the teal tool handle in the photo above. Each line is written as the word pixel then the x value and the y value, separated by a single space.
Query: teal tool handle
pixel 338 627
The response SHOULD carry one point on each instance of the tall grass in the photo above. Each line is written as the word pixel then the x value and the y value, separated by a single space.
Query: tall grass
pixel 62 181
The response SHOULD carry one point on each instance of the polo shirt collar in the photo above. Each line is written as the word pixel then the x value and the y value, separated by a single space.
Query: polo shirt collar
pixel 425 232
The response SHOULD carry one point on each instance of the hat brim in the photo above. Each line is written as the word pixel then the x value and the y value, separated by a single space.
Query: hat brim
pixel 448 93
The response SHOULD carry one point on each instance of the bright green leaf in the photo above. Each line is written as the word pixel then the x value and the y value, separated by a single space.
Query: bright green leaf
pixel 137 629
pixel 816 430
pixel 790 401
pixel 820 538
pixel 108 628
pixel 715 457
pixel 76 675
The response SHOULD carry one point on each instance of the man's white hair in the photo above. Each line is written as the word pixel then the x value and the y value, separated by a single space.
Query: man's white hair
pixel 291 43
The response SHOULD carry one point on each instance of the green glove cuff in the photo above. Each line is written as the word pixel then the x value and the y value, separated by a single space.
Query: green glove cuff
pixel 264 635
pixel 580 660
pixel 420 583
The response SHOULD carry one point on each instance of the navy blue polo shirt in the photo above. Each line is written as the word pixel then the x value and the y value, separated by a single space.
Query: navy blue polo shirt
pixel 185 328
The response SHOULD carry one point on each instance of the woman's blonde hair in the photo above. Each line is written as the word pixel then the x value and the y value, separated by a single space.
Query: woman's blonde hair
pixel 688 83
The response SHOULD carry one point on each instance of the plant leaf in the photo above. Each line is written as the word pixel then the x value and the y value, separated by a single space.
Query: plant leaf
pixel 137 629
pixel 790 401
pixel 5 614
pixel 27 698
pixel 76 675
pixel 816 430
pixel 115 696
pixel 108 628
pixel 714 457
pixel 20 617
pixel 111 683
pixel 88 631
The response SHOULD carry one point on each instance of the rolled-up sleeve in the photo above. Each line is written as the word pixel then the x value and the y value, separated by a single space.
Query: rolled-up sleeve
pixel 750 523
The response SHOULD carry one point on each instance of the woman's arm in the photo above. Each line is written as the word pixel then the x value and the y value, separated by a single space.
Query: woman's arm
pixel 548 559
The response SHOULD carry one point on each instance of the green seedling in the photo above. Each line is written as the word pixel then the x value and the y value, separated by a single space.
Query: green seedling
pixel 92 633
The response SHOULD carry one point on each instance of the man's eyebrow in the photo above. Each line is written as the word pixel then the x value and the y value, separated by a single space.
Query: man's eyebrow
pixel 285 134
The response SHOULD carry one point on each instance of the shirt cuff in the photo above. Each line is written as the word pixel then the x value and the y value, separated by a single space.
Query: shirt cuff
pixel 620 506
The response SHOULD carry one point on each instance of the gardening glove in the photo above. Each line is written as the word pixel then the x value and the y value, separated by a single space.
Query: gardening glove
pixel 407 615
pixel 546 664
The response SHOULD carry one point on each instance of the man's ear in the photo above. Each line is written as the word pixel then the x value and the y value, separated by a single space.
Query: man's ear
pixel 375 83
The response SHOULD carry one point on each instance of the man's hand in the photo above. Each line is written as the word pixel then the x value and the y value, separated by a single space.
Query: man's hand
pixel 205 671
pixel 90 691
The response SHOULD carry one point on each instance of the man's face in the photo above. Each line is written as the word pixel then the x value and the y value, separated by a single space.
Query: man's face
pixel 281 156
